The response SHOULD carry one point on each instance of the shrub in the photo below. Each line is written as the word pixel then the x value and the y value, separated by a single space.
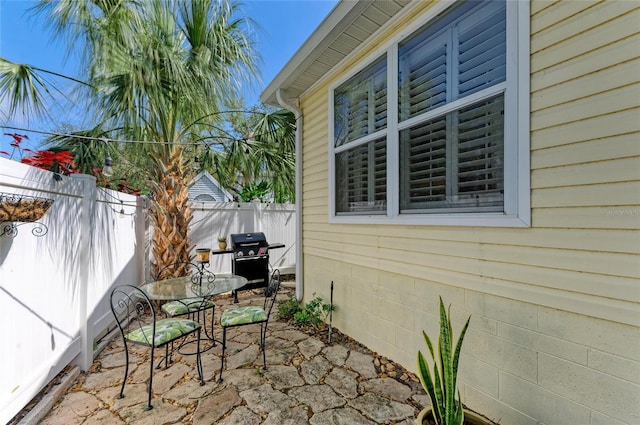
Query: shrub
pixel 313 313
pixel 287 309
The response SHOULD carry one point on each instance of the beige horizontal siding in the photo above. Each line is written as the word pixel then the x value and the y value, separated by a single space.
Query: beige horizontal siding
pixel 608 102
pixel 480 258
pixel 582 251
pixel 587 218
pixel 610 56
pixel 550 13
pixel 559 23
pixel 618 170
pixel 590 84
pixel 598 240
pixel 572 41
pixel 625 193
pixel 626 146
pixel 624 122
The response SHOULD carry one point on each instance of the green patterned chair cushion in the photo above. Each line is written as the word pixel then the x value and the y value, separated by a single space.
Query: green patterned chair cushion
pixel 243 316
pixel 166 331
pixel 186 305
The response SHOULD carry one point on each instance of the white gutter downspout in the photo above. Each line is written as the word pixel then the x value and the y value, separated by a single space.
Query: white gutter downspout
pixel 285 103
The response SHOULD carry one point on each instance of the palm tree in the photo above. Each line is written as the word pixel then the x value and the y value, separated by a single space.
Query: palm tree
pixel 158 71
pixel 261 151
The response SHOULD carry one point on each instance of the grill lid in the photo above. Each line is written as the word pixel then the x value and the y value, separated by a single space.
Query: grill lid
pixel 244 240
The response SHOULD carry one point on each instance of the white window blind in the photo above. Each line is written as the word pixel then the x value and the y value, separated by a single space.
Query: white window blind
pixel 453 159
pixel 361 176
pixel 360 104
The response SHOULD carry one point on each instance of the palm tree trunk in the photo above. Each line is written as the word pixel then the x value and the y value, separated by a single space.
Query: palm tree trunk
pixel 171 214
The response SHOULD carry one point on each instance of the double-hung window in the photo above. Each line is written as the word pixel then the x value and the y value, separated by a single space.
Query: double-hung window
pixel 450 146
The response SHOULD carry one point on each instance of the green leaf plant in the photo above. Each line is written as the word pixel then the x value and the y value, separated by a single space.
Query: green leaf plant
pixel 440 385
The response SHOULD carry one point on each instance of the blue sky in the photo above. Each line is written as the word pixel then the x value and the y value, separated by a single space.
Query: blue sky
pixel 285 25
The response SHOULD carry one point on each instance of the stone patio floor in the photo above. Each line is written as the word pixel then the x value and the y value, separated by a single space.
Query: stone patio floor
pixel 307 380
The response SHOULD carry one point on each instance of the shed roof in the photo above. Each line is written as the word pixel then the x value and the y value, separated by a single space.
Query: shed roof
pixel 204 187
pixel 347 26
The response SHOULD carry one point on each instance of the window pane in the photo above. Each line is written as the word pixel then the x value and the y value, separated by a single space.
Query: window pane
pixel 423 165
pixel 480 149
pixel 458 55
pixel 482 49
pixel 360 104
pixel 455 161
pixel 361 178
pixel 423 81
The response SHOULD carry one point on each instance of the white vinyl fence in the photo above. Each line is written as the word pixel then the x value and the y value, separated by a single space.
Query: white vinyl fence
pixel 54 288
pixel 276 221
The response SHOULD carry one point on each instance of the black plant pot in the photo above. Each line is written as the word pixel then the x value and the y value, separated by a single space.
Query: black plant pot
pixel 470 418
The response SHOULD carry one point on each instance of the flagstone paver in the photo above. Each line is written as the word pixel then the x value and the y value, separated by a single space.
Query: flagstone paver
pixel 133 394
pixel 318 397
pixel 362 364
pixel 190 391
pixel 315 369
pixel 380 409
pixel 282 377
pixel 294 416
pixel 307 381
pixel 74 409
pixel 239 359
pixel 165 379
pixel 293 335
pixel 161 414
pixel 281 355
pixel 110 377
pixel 336 354
pixel 343 382
pixel 343 416
pixel 265 399
pixel 214 407
pixel 310 347
pixel 241 416
pixel 243 379
pixel 103 417
pixel 387 387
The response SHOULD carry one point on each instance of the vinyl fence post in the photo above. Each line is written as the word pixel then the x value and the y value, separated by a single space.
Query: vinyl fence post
pixel 258 224
pixel 85 357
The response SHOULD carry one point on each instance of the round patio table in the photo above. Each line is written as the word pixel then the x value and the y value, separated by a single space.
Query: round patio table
pixel 178 288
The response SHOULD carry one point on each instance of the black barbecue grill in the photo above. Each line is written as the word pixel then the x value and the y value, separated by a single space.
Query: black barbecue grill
pixel 251 259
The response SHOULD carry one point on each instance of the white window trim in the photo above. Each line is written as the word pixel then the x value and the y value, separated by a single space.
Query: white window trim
pixel 517 197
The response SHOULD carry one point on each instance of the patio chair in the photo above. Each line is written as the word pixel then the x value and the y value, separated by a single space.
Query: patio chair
pixel 136 320
pixel 194 306
pixel 251 315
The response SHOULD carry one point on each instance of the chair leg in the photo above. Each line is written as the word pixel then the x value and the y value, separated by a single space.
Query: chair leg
pixel 199 361
pixel 149 406
pixel 213 318
pixel 209 332
pixel 126 368
pixel 263 337
pixel 224 345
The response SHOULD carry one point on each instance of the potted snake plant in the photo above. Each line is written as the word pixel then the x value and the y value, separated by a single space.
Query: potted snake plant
pixel 440 385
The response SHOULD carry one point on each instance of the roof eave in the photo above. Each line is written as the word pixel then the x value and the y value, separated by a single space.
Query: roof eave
pixel 342 15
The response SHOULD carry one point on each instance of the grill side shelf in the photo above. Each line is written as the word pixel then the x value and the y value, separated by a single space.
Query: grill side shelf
pixel 218 252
